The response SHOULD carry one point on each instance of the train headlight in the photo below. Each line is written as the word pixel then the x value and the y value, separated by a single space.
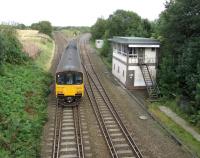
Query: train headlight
pixel 79 91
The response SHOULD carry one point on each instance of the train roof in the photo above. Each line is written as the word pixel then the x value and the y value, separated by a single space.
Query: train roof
pixel 70 60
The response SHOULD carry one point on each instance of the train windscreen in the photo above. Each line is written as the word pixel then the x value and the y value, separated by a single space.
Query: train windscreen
pixel 69 78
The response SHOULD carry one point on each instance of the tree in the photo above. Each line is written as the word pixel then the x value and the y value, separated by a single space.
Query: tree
pixel 98 29
pixel 147 28
pixel 21 26
pixel 124 23
pixel 120 23
pixel 35 26
pixel 179 29
pixel 43 27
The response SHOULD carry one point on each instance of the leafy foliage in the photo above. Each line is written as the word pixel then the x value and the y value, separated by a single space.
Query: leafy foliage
pixel 106 48
pixel 179 29
pixel 98 30
pixel 120 23
pixel 124 23
pixel 23 110
pixel 23 93
pixel 43 27
pixel 10 47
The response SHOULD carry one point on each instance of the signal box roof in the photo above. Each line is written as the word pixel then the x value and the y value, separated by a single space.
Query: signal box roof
pixel 134 40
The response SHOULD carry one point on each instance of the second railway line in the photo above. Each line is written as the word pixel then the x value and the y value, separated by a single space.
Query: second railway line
pixel 117 136
pixel 105 116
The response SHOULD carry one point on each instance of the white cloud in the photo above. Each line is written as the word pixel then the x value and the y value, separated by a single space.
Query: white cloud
pixel 74 12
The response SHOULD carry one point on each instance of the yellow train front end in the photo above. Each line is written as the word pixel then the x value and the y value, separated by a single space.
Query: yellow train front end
pixel 69 86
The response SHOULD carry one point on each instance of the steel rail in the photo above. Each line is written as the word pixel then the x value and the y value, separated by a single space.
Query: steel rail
pixel 115 114
pixel 113 110
pixel 57 131
pixel 101 122
pixel 78 131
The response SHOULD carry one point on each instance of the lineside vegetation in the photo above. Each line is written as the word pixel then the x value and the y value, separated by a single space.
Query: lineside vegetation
pixel 23 91
pixel 120 23
pixel 178 29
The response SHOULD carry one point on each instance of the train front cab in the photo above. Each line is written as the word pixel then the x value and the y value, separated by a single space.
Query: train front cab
pixel 69 86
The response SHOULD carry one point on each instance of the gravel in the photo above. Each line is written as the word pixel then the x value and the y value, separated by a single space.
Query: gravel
pixel 150 137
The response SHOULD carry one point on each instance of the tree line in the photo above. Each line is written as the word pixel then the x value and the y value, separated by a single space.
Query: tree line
pixel 178 29
pixel 42 26
pixel 120 23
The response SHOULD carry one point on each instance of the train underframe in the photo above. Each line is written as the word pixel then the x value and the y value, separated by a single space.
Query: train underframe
pixel 68 100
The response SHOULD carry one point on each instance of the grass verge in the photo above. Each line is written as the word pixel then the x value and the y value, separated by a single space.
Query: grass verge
pixel 104 59
pixel 181 134
pixel 23 103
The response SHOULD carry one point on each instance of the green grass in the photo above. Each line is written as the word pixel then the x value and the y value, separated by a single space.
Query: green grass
pixel 70 32
pixel 183 135
pixel 23 104
pixel 175 108
pixel 44 59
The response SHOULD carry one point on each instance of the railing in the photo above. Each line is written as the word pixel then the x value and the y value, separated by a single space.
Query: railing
pixel 133 59
pixel 141 60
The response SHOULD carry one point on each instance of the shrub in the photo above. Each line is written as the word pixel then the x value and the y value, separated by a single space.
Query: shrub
pixel 11 48
pixel 43 27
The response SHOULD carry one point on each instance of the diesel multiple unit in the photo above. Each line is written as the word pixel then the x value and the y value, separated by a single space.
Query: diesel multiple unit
pixel 69 75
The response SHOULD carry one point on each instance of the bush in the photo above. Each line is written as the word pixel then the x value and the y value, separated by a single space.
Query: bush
pixel 2 48
pixel 23 113
pixel 106 49
pixel 43 27
pixel 11 48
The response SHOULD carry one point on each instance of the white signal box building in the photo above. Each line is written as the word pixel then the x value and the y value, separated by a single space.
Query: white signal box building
pixel 134 62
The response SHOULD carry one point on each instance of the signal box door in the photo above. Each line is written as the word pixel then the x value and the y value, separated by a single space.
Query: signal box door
pixel 130 79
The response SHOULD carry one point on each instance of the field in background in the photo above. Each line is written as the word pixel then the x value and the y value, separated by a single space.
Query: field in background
pixel 70 33
pixel 37 45
pixel 23 98
pixel 75 31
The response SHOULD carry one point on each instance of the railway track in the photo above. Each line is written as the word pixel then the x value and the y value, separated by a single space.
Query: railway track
pixel 68 132
pixel 68 137
pixel 117 136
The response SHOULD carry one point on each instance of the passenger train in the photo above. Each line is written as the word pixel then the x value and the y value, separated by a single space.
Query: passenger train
pixel 69 84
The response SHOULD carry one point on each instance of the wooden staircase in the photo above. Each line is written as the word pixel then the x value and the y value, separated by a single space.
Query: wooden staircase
pixel 151 85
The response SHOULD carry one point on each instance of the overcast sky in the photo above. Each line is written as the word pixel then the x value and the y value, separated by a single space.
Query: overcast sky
pixel 74 12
